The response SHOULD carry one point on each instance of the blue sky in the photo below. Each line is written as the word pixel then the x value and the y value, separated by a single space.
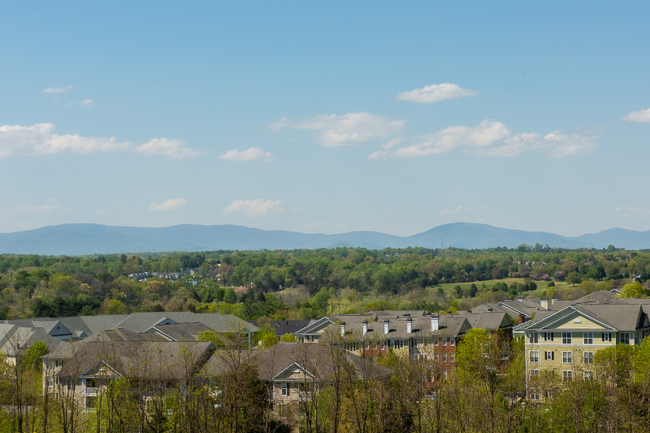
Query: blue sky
pixel 325 117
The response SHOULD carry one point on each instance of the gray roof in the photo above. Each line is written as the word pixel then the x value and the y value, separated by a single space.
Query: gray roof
pixel 491 321
pixel 15 339
pixel 316 359
pixel 139 359
pixel 613 316
pixel 136 322
pixel 179 331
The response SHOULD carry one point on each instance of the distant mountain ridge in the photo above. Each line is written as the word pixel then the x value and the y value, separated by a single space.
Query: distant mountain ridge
pixel 81 239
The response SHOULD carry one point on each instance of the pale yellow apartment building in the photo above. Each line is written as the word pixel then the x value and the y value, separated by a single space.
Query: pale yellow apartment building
pixel 565 342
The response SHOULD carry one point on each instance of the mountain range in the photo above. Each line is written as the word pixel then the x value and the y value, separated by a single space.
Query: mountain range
pixel 81 239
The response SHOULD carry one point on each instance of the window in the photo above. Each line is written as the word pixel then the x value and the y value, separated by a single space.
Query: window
pixel 367 345
pixel 588 338
pixel 607 337
pixel 549 355
pixel 444 341
pixel 588 357
pixel 534 356
pixel 401 344
pixel 382 345
pixel 534 373
pixel 453 341
pixel 533 394
pixel 90 402
pixel 452 357
pixel 58 363
pixel 444 357
pixel 548 336
pixel 588 375
pixel 534 338
pixel 435 341
pixel 285 388
pixel 444 373
pixel 566 338
pixel 436 357
pixel 567 357
pixel 567 375
pixel 625 338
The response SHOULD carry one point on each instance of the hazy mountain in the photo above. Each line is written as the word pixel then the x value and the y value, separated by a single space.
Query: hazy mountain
pixel 78 239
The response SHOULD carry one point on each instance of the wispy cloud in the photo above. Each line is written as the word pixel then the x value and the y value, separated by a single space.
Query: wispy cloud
pixel 40 139
pixel 255 207
pixel 569 144
pixel 51 205
pixel 57 89
pixel 436 93
pixel 488 138
pixel 451 211
pixel 87 102
pixel 172 149
pixel 168 205
pixel 252 154
pixel 642 116
pixel 344 130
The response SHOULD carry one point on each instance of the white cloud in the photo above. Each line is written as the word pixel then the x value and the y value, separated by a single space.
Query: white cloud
pixel 642 116
pixel 488 138
pixel 168 205
pixel 57 89
pixel 254 153
pixel 436 93
pixel 100 211
pixel 570 144
pixel 345 130
pixel 87 102
pixel 172 149
pixel 40 139
pixel 52 205
pixel 451 211
pixel 255 207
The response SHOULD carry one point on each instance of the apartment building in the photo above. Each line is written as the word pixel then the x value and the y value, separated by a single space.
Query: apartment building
pixel 565 342
pixel 416 334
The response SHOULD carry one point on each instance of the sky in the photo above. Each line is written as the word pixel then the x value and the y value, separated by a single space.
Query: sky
pixel 325 117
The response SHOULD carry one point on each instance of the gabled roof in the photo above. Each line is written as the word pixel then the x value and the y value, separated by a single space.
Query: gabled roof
pixel 316 360
pixel 611 316
pixel 288 326
pixel 179 331
pixel 138 359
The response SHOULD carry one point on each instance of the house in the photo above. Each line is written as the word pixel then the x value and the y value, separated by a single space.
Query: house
pixel 151 367
pixel 294 372
pixel 565 342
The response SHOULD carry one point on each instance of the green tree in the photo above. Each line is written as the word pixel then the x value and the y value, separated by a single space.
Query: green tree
pixel 574 278
pixel 33 357
pixel 633 290
pixel 114 307
pixel 230 297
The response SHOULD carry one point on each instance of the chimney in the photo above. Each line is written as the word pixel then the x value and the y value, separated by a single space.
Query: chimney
pixel 544 304
pixel 364 324
pixel 386 326
pixel 553 300
pixel 342 329
pixel 409 325
pixel 435 322
pixel 522 319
